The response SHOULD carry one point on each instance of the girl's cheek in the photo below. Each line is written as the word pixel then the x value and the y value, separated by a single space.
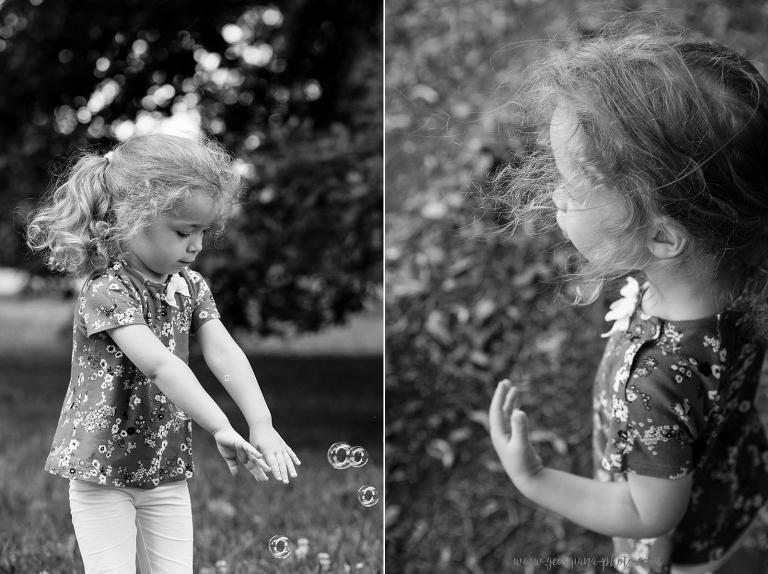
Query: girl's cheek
pixel 561 217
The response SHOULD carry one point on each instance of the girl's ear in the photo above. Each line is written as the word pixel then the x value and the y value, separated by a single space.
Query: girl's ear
pixel 670 239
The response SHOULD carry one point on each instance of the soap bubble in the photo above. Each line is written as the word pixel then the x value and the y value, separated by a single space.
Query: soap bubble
pixel 358 456
pixel 279 546
pixel 324 561
pixel 367 496
pixel 338 455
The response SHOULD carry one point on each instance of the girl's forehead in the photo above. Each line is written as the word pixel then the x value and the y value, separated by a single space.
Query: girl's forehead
pixel 564 138
pixel 198 208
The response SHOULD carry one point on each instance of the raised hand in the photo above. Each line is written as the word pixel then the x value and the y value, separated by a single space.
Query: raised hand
pixel 509 434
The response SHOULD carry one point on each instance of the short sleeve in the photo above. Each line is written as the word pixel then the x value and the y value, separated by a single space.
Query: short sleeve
pixel 108 301
pixel 664 408
pixel 204 307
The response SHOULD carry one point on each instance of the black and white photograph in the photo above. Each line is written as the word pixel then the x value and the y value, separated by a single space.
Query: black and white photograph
pixel 191 287
pixel 576 273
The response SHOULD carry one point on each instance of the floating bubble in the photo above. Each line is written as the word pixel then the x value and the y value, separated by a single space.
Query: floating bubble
pixel 324 561
pixel 358 456
pixel 279 546
pixel 367 495
pixel 338 455
pixel 222 567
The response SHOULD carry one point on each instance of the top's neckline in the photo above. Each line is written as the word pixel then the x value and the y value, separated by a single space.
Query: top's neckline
pixel 146 280
pixel 645 327
pixel 682 323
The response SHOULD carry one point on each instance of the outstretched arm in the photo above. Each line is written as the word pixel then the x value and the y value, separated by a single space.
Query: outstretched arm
pixel 232 368
pixel 642 507
pixel 175 379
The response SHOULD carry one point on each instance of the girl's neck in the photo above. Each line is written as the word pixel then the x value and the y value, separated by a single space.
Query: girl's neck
pixel 679 295
pixel 143 270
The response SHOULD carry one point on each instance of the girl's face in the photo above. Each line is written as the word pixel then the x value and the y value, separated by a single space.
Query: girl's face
pixel 172 241
pixel 585 213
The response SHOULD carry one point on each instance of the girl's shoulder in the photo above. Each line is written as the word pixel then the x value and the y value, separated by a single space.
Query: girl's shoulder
pixel 114 278
pixel 197 284
pixel 672 338
pixel 192 277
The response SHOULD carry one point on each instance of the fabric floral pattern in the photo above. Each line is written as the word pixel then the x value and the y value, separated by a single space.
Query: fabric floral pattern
pixel 674 397
pixel 116 427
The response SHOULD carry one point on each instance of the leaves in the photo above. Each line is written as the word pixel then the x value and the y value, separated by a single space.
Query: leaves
pixel 466 304
pixel 293 89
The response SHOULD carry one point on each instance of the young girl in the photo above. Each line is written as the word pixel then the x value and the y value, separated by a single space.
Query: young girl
pixel 659 154
pixel 132 222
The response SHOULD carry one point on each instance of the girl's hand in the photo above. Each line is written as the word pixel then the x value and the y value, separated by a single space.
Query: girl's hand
pixel 279 457
pixel 235 450
pixel 509 435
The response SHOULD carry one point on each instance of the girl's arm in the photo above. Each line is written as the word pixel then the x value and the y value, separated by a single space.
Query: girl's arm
pixel 232 368
pixel 175 379
pixel 642 507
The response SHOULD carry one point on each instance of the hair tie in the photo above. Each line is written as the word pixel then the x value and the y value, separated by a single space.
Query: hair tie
pixel 108 156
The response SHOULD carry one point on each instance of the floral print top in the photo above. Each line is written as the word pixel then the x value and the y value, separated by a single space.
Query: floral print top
pixel 675 397
pixel 116 427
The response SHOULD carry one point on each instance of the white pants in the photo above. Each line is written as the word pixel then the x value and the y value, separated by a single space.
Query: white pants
pixel 117 526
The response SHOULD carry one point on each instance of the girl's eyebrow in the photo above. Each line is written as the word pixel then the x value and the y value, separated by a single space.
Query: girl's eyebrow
pixel 188 227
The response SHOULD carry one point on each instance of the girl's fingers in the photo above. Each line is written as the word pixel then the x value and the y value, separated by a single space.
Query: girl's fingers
pixel 510 401
pixel 260 462
pixel 256 470
pixel 519 422
pixel 263 465
pixel 283 467
pixel 242 454
pixel 289 465
pixel 254 451
pixel 291 454
pixel 498 396
pixel 274 467
pixel 496 416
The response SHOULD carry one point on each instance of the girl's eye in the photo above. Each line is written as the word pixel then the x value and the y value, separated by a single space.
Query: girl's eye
pixel 183 235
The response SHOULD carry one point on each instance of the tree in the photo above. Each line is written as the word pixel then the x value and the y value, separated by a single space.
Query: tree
pixel 292 88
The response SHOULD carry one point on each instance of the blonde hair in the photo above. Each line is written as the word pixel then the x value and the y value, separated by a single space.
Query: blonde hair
pixel 101 202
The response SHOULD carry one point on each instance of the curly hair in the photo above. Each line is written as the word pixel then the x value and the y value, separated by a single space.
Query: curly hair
pixel 101 202
pixel 678 127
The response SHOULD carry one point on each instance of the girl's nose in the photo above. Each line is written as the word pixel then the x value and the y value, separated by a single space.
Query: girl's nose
pixel 196 245
pixel 559 197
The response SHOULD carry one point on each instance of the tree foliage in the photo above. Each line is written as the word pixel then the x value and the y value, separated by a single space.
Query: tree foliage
pixel 292 88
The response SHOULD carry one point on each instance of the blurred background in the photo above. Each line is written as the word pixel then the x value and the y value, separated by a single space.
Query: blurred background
pixel 467 305
pixel 293 88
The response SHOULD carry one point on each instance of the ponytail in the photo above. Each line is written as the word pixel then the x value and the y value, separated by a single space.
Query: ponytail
pixel 101 202
pixel 76 221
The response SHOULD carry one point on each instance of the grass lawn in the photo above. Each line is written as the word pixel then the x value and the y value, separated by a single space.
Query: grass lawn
pixel 316 399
